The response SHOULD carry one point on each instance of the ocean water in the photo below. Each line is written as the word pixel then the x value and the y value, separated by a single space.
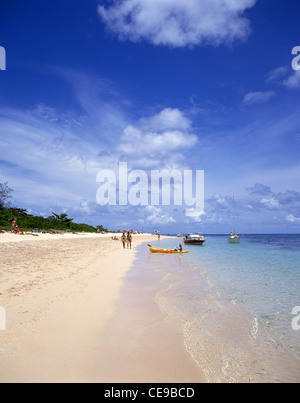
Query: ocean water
pixel 234 303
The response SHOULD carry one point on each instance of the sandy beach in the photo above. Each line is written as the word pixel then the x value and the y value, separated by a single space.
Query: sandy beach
pixel 61 294
pixel 58 292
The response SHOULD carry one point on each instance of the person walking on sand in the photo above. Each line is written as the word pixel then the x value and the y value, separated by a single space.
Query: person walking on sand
pixel 124 240
pixel 129 240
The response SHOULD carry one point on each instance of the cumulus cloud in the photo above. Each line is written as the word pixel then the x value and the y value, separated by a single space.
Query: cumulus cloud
pixel 158 140
pixel 157 216
pixel 259 189
pixel 221 203
pixel 271 203
pixel 263 199
pixel 167 119
pixel 196 214
pixel 258 97
pixel 259 201
pixel 292 219
pixel 66 150
pixel 178 23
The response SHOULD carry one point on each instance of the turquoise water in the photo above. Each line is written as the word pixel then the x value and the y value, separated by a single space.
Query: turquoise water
pixel 261 276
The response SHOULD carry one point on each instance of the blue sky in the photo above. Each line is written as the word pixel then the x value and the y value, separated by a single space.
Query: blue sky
pixel 90 83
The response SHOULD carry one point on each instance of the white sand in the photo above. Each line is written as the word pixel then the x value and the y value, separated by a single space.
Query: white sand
pixel 8 237
pixel 62 295
pixel 59 292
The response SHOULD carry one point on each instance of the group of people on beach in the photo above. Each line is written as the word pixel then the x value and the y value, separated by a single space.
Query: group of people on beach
pixel 127 239
pixel 14 229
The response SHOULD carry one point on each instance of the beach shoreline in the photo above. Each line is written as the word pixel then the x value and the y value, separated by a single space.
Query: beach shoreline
pixel 178 327
pixel 230 344
pixel 59 292
pixel 151 349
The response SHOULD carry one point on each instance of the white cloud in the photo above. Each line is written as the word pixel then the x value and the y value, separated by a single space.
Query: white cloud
pixel 259 189
pixel 157 216
pixel 158 140
pixel 51 157
pixel 178 23
pixel 276 75
pixel 220 203
pixel 293 82
pixel 167 119
pixel 271 203
pixel 292 219
pixel 201 216
pixel 45 160
pixel 281 76
pixel 258 97
pixel 196 214
pixel 135 141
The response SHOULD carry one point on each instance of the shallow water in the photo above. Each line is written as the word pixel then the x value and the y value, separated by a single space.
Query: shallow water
pixel 234 305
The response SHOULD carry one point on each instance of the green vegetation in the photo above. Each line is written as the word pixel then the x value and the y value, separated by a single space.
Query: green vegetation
pixel 28 222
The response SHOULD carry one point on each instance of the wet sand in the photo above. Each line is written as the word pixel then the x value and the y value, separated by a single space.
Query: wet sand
pixel 151 348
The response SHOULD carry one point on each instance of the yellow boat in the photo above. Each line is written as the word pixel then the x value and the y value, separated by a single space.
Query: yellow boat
pixel 167 251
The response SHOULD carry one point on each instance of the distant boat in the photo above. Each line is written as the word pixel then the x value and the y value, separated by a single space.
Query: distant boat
pixel 234 238
pixel 195 239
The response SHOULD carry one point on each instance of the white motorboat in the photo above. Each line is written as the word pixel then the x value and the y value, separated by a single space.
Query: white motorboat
pixel 194 239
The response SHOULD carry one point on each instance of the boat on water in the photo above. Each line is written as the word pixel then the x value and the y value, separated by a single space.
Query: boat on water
pixel 167 251
pixel 195 239
pixel 234 237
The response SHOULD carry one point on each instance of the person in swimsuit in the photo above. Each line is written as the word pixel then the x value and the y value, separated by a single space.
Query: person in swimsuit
pixel 14 226
pixel 129 240
pixel 124 240
pixel 178 249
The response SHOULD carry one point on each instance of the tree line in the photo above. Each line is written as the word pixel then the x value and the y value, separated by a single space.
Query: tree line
pixel 56 222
